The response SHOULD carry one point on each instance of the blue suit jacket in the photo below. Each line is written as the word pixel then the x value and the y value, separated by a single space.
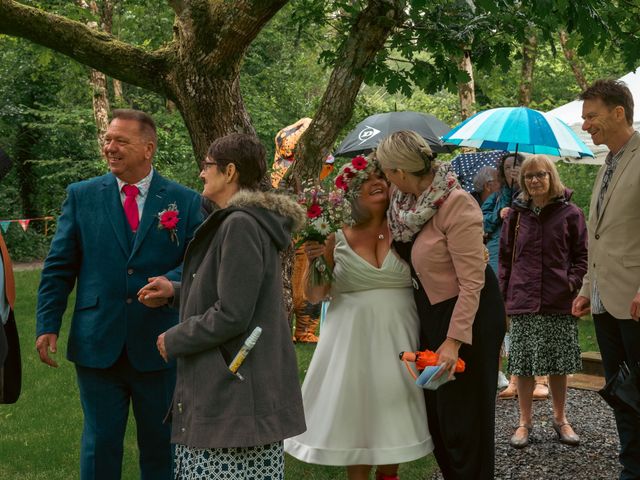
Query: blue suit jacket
pixel 91 245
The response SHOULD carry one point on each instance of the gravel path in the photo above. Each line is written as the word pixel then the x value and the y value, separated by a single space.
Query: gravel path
pixel 596 458
pixel 22 266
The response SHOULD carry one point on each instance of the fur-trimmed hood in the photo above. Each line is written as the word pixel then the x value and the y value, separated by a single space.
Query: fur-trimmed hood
pixel 278 214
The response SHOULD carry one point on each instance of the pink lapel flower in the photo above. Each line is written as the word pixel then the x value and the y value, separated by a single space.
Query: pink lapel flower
pixel 168 220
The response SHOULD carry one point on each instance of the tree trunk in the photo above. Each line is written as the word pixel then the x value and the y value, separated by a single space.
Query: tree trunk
pixel 97 79
pixel 573 61
pixel 117 91
pixel 529 51
pixel 210 107
pixel 100 100
pixel 367 36
pixel 466 91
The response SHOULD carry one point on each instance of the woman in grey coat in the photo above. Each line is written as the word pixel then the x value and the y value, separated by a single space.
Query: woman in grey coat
pixel 225 425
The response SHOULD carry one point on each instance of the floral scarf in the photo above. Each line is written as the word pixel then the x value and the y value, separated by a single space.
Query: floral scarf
pixel 407 213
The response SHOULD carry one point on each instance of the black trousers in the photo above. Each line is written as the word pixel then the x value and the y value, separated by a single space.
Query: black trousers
pixel 461 414
pixel 11 368
pixel 619 341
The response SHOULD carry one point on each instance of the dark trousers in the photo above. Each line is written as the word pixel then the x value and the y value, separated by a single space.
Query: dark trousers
pixel 105 395
pixel 619 341
pixel 461 414
pixel 11 367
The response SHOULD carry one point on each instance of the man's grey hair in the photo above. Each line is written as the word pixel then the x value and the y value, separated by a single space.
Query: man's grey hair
pixel 484 175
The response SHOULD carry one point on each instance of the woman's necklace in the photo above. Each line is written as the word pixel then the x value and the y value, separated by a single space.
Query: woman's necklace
pixel 381 235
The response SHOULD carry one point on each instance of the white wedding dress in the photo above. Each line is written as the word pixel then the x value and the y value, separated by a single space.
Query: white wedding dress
pixel 361 405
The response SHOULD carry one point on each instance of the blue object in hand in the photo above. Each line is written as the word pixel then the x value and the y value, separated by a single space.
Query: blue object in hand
pixel 426 380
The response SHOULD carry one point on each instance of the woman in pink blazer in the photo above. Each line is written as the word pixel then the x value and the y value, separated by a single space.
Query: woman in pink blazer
pixel 437 228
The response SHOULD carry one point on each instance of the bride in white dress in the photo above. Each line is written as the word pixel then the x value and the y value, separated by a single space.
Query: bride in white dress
pixel 361 406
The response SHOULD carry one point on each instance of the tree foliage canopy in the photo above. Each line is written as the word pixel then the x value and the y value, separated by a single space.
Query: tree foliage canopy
pixel 260 65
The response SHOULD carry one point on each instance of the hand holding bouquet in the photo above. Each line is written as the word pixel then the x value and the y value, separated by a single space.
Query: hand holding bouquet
pixel 326 213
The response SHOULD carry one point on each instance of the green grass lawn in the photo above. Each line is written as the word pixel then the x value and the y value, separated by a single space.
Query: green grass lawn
pixel 40 435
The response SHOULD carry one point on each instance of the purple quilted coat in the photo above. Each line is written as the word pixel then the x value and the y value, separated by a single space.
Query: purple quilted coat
pixel 545 272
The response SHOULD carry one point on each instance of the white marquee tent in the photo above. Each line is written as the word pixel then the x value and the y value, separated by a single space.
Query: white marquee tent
pixel 571 114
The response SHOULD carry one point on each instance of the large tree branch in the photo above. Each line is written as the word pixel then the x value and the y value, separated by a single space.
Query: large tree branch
pixel 367 37
pixel 177 6
pixel 222 30
pixel 244 22
pixel 91 47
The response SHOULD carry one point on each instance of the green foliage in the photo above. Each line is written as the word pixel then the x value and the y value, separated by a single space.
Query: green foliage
pixel 553 81
pixel 47 97
pixel 281 79
pixel 28 246
pixel 174 157
pixel 580 178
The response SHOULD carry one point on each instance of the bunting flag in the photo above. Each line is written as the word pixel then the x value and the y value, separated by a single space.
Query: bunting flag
pixel 24 224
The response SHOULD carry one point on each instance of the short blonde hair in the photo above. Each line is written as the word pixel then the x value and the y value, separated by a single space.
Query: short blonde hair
pixel 407 151
pixel 556 187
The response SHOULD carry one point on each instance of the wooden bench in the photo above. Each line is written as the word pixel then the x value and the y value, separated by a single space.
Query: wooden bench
pixel 592 363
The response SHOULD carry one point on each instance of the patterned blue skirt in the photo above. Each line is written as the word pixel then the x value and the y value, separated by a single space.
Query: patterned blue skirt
pixel 263 462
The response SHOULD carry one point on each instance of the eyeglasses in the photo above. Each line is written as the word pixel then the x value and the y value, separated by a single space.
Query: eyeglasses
pixel 539 175
pixel 206 165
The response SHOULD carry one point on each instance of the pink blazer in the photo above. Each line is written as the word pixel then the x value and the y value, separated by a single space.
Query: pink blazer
pixel 448 256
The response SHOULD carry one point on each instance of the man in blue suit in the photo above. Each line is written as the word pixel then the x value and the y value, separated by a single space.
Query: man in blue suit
pixel 110 240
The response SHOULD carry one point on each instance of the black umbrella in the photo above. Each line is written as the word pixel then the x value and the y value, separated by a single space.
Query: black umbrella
pixel 623 389
pixel 368 133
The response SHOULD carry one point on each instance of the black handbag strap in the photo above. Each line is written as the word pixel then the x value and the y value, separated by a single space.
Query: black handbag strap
pixel 515 238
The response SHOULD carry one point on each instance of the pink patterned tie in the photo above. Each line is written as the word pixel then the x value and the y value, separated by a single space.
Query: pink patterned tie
pixel 131 206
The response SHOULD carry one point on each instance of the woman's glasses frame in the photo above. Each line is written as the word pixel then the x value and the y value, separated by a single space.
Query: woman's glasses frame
pixel 540 176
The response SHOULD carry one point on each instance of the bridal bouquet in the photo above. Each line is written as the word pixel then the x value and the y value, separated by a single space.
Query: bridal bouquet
pixel 326 212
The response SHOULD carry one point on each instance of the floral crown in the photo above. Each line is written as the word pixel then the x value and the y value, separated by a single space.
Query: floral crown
pixel 354 173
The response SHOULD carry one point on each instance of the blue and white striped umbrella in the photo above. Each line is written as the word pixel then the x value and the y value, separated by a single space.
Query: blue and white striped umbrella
pixel 518 129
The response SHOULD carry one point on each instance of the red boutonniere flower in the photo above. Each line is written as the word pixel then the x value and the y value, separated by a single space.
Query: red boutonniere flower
pixel 168 220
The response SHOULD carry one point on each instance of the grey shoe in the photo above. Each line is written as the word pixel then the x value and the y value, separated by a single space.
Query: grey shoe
pixel 521 441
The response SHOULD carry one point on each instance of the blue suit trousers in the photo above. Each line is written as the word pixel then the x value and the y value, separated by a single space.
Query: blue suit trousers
pixel 105 394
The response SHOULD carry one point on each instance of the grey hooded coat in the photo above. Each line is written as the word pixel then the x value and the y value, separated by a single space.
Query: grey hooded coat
pixel 231 283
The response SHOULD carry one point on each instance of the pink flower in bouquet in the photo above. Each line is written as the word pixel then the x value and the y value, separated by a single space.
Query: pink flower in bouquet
pixel 359 162
pixel 314 211
pixel 336 198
